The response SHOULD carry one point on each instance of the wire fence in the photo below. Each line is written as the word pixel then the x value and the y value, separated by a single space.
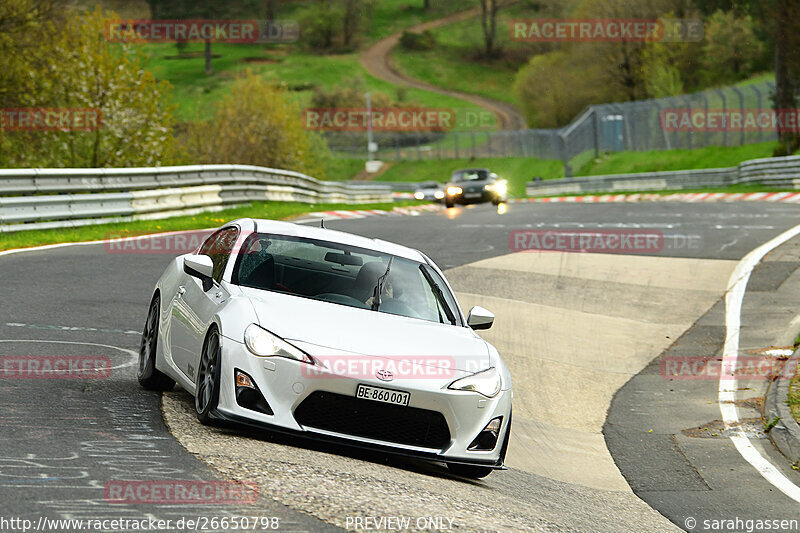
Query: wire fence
pixel 731 116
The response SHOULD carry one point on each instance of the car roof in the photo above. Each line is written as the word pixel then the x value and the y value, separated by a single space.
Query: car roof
pixel 314 232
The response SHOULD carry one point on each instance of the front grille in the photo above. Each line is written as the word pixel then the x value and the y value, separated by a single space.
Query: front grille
pixel 373 420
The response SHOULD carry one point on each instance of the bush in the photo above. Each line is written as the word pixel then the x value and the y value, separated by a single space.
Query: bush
pixel 351 94
pixel 418 41
pixel 256 124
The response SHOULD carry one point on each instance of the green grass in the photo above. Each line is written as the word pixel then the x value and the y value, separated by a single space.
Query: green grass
pixel 194 93
pixel 390 16
pixel 456 61
pixel 516 170
pixel 710 157
pixel 519 170
pixel 731 189
pixel 341 169
pixel 269 210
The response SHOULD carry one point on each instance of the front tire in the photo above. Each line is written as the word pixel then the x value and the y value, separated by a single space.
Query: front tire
pixel 206 394
pixel 148 375
pixel 449 203
pixel 470 471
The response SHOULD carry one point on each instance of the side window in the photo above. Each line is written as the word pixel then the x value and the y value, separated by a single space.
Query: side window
pixel 218 247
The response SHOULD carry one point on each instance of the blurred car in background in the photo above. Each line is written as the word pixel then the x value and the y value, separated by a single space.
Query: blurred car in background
pixel 475 185
pixel 430 190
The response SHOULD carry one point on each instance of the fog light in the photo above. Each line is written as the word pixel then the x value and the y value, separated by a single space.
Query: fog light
pixel 248 395
pixel 487 438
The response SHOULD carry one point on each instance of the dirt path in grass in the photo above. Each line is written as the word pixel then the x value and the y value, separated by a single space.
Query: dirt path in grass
pixel 377 59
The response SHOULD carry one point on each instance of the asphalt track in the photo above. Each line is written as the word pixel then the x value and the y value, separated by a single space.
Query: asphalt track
pixel 62 440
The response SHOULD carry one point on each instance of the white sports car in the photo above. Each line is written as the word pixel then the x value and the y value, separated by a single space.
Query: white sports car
pixel 333 336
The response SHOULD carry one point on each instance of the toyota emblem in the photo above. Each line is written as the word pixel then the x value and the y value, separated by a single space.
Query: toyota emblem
pixel 384 375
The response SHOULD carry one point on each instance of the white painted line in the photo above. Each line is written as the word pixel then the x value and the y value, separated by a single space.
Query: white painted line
pixel 737 285
pixel 134 360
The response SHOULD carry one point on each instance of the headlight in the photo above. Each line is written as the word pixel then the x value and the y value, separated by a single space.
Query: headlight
pixel 419 195
pixel 487 383
pixel 453 190
pixel 501 187
pixel 264 344
pixel 438 195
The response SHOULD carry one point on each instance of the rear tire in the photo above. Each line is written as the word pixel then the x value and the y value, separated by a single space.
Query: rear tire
pixel 148 375
pixel 206 394
pixel 470 471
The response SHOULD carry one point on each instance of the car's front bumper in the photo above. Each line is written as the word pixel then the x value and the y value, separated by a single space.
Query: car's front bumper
pixel 475 197
pixel 286 384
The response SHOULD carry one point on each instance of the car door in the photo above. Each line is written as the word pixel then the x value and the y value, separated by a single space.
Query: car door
pixel 193 308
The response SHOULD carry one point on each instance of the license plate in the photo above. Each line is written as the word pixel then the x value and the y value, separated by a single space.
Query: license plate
pixel 472 195
pixel 378 394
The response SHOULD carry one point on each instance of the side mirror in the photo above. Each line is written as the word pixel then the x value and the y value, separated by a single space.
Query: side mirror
pixel 200 267
pixel 480 318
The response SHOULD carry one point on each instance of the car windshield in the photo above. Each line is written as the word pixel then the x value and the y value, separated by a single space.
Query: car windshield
pixel 470 175
pixel 345 275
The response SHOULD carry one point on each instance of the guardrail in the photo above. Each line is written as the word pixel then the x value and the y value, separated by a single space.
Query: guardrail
pixel 32 199
pixel 774 172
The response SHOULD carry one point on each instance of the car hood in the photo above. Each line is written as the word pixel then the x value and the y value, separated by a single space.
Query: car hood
pixel 325 329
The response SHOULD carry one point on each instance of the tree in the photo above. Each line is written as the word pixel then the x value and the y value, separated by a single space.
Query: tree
pixel 22 23
pixel 554 87
pixel 785 24
pixel 76 68
pixel 623 61
pixel 204 9
pixel 660 70
pixel 321 25
pixel 731 50
pixel 257 124
pixel 355 13
pixel 270 10
pixel 489 10
pixel 780 21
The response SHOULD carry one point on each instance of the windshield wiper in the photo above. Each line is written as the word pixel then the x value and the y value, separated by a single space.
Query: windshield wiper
pixel 439 294
pixel 376 293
